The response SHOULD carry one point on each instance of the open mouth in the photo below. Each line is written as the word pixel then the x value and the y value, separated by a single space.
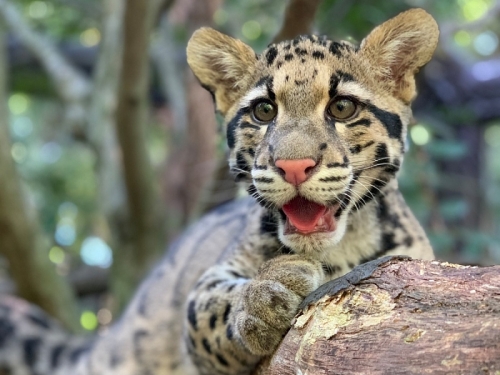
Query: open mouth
pixel 307 217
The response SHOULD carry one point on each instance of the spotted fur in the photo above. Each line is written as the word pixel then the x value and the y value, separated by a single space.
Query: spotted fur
pixel 355 161
pixel 228 290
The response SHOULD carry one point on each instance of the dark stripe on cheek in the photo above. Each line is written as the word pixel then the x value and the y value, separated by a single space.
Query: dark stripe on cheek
pixel 344 164
pixel 249 125
pixel 362 122
pixel 241 163
pixel 333 178
pixel 356 149
pixel 232 125
pixel 374 191
pixel 381 154
pixel 391 121
pixel 392 169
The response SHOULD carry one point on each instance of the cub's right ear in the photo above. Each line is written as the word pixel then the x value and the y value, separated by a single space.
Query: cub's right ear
pixel 224 66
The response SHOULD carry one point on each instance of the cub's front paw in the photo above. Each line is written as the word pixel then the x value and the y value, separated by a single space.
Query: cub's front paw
pixel 270 301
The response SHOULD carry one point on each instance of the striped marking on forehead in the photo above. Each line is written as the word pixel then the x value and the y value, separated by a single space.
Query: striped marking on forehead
pixel 263 88
pixel 355 89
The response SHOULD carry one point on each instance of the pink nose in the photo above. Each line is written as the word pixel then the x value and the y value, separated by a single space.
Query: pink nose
pixel 295 170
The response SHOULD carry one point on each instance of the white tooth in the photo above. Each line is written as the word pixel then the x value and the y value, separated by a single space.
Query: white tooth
pixel 321 222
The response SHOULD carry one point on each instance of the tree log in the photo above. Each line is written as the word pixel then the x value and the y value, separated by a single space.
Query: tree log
pixel 397 316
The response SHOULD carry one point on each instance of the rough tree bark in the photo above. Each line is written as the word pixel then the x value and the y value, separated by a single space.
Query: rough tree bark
pixel 21 240
pixel 397 316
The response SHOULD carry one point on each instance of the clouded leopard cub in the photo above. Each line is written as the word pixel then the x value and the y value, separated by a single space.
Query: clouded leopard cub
pixel 317 128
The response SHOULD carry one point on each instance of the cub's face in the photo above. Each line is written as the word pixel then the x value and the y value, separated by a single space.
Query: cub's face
pixel 317 127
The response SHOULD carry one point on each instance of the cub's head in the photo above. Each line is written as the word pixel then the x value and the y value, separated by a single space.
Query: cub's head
pixel 317 127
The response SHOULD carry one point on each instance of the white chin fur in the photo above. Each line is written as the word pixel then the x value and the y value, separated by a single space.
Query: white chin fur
pixel 316 244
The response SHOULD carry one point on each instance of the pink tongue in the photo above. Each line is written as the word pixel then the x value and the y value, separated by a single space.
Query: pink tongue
pixel 303 214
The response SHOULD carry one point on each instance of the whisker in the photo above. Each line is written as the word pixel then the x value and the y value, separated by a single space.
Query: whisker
pixel 357 197
pixel 368 190
pixel 376 166
pixel 239 170
pixel 373 178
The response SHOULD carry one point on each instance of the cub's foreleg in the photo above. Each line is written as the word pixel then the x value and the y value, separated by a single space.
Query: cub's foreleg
pixel 233 320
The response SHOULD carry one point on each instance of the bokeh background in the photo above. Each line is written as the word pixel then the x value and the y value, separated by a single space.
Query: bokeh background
pixel 109 147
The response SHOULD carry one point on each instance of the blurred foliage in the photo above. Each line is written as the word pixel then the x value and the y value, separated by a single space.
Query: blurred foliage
pixel 59 169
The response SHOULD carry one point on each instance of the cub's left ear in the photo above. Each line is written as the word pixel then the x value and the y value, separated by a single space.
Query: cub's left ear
pixel 399 47
pixel 224 66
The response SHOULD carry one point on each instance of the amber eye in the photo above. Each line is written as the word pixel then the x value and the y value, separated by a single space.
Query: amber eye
pixel 265 111
pixel 341 108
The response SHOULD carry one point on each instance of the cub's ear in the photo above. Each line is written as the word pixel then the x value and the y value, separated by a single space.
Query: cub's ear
pixel 224 66
pixel 399 47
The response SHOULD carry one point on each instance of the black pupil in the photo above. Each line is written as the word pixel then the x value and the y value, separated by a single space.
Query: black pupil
pixel 341 106
pixel 266 108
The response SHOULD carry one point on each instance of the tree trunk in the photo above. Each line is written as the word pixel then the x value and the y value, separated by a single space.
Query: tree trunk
pixel 397 316
pixel 192 161
pixel 21 240
pixel 145 225
pixel 299 18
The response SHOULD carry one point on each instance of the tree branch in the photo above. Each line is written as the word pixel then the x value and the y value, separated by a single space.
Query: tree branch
pixel 164 53
pixel 70 84
pixel 22 242
pixel 299 18
pixel 102 108
pixel 146 220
